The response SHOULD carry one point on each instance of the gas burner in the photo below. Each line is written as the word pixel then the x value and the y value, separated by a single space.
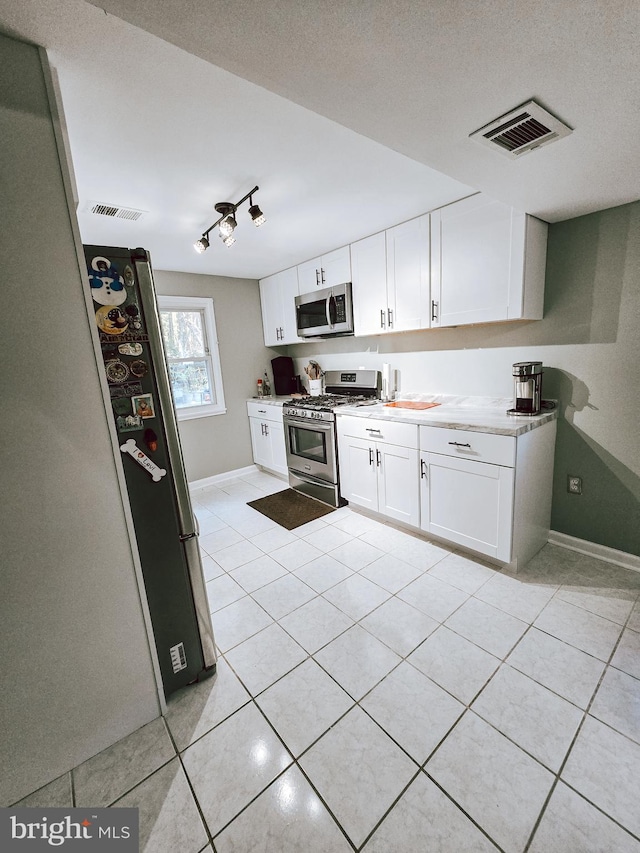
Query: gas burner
pixel 328 402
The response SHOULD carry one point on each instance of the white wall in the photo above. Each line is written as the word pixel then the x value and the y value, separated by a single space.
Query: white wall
pixel 76 667
pixel 221 443
pixel 589 342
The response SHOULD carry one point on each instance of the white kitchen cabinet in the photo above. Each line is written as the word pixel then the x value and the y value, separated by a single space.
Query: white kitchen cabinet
pixel 408 285
pixel 487 263
pixel 379 467
pixel 391 279
pixel 369 285
pixel 277 297
pixel 470 503
pixel 490 493
pixel 267 436
pixel 325 271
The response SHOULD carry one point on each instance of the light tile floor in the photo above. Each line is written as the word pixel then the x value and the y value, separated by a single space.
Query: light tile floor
pixel 382 693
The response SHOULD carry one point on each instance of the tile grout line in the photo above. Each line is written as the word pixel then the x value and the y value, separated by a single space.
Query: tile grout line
pixel 563 764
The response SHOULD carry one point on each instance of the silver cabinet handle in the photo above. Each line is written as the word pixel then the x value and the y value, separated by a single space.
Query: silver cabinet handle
pixel 266 429
pixel 434 310
pixel 390 315
pixel 281 333
pixel 458 444
pixel 423 470
pixel 317 278
pixel 322 275
pixel 262 411
pixel 370 456
pixel 378 457
pixel 262 428
pixel 371 429
pixel 382 318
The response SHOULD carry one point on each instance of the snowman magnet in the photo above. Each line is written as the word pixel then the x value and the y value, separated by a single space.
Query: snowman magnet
pixel 106 283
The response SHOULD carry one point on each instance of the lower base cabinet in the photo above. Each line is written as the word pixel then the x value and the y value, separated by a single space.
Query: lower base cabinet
pixel 377 475
pixel 267 437
pixel 485 492
pixel 469 503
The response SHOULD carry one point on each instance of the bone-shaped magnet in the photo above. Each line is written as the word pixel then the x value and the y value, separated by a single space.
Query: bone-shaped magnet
pixel 141 458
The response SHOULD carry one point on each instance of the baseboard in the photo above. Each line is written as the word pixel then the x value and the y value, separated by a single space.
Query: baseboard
pixel 221 478
pixel 601 552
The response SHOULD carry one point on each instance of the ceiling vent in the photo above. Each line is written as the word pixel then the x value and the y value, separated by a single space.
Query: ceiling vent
pixel 114 211
pixel 527 127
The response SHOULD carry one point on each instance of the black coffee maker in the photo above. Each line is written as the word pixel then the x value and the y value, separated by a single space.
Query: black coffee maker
pixel 284 381
pixel 527 376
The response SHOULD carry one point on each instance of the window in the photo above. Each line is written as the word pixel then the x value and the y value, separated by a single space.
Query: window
pixel 191 345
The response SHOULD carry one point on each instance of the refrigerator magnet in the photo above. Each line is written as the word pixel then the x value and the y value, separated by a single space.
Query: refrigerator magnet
pixel 128 423
pixel 129 277
pixel 106 283
pixel 139 367
pixel 130 349
pixel 143 406
pixel 117 371
pixel 111 320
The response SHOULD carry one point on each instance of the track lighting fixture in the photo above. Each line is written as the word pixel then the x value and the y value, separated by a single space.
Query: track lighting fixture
pixel 227 222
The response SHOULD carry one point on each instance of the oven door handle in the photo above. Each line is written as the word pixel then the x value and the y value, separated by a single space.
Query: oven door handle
pixel 321 426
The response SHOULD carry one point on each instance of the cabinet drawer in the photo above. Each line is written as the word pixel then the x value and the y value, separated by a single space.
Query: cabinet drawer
pixel 404 435
pixel 264 411
pixel 478 446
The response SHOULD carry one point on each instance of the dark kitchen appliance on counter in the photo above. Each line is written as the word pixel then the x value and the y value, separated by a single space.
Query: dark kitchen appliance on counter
pixel 527 388
pixel 325 313
pixel 284 379
pixel 126 314
pixel 310 432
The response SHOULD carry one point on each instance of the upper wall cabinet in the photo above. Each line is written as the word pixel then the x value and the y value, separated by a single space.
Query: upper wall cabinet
pixel 325 271
pixel 391 279
pixel 487 263
pixel 408 274
pixel 277 296
pixel 369 277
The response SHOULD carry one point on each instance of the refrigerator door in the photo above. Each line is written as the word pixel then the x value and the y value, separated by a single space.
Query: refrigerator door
pixel 187 520
pixel 126 315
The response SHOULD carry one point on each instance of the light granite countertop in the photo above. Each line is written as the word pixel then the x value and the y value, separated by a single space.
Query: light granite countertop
pixel 270 401
pixel 476 414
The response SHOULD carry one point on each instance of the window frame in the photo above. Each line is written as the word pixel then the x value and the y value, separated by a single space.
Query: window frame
pixel 204 305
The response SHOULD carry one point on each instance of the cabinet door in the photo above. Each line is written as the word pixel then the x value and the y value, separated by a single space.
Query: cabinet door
pixel 336 267
pixel 278 448
pixel 358 473
pixel 260 443
pixel 408 275
pixel 470 503
pixel 288 289
pixel 309 275
pixel 477 259
pixel 270 302
pixel 369 276
pixel 398 483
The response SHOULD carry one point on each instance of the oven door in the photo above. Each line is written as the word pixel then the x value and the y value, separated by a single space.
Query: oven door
pixel 311 448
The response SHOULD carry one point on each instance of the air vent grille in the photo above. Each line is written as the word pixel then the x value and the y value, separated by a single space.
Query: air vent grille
pixel 522 130
pixel 115 211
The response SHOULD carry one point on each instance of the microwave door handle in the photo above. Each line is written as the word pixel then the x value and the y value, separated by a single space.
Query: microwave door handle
pixel 330 320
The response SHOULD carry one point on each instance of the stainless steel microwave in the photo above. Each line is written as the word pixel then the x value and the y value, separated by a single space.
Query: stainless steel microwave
pixel 325 312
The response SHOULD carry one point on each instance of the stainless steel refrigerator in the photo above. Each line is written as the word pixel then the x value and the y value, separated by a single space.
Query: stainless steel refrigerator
pixel 126 314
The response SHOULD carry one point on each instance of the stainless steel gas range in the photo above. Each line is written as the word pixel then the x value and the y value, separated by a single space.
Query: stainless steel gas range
pixel 310 432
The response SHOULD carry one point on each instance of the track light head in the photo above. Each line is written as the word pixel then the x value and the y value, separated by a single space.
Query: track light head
pixel 201 245
pixel 228 226
pixel 257 215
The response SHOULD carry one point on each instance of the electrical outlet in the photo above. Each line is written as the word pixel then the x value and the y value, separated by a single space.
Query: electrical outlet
pixel 574 484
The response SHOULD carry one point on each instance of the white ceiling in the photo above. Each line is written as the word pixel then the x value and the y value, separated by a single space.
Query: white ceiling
pixel 340 111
